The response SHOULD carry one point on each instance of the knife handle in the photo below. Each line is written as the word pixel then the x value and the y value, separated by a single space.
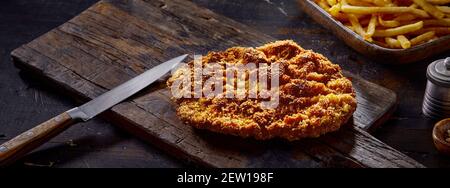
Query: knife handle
pixel 19 146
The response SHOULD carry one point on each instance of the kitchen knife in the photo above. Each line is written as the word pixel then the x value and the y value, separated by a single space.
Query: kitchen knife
pixel 15 148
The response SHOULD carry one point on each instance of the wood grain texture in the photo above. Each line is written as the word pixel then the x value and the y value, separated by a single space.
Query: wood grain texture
pixel 381 54
pixel 27 100
pixel 114 41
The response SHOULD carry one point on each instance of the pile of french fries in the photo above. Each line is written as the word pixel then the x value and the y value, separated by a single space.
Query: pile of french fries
pixel 396 24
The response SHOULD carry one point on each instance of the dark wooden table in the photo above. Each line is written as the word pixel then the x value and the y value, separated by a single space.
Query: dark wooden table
pixel 26 102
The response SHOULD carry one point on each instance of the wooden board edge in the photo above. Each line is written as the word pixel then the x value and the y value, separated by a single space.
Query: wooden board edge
pixel 383 119
pixel 380 120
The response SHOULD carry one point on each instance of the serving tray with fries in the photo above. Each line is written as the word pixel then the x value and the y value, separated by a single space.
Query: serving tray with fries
pixel 383 29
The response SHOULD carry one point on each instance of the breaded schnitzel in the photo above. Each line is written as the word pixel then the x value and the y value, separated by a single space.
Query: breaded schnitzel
pixel 314 96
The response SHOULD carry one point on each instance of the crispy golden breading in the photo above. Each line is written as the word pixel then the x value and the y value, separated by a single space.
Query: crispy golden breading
pixel 315 98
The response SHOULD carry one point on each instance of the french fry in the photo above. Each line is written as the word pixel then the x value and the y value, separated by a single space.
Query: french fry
pixel 371 28
pixel 438 2
pixel 422 38
pixel 323 5
pixel 390 23
pixel 356 25
pixel 404 42
pixel 385 3
pixel 392 43
pixel 435 12
pixel 441 31
pixel 443 22
pixel 444 9
pixel 332 2
pixel 358 3
pixel 341 17
pixel 380 3
pixel 405 17
pixel 392 10
pixel 335 9
pixel 399 30
pixel 427 23
pixel 414 6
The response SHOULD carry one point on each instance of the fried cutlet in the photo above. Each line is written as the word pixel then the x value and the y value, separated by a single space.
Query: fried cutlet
pixel 314 96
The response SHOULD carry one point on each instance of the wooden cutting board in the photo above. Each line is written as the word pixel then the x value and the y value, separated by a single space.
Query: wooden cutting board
pixel 114 41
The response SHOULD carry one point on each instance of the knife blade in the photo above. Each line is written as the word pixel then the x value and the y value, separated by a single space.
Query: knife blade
pixel 15 148
pixel 122 92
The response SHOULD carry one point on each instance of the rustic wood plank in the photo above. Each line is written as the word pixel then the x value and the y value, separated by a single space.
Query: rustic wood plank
pixel 375 103
pixel 116 40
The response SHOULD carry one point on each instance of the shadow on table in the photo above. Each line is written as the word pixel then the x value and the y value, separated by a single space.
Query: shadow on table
pixel 61 153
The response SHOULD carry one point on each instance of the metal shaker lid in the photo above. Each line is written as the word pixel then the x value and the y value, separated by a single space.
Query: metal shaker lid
pixel 438 72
